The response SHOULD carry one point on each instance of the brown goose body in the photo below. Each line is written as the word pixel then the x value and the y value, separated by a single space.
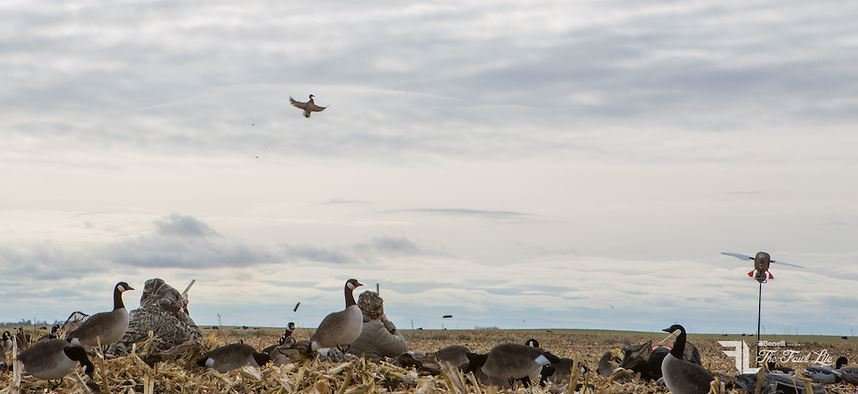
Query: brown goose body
pixel 53 359
pixel 340 328
pixel 233 356
pixel 514 361
pixel 456 355
pixel 105 327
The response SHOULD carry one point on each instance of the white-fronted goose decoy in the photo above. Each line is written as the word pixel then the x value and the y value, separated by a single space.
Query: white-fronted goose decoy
pixel 308 107
pixel 680 376
pixel 53 359
pixel 455 355
pixel 104 327
pixel 513 362
pixel 340 329
pixel 233 356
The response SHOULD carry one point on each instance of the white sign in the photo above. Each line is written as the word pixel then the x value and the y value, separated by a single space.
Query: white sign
pixel 739 351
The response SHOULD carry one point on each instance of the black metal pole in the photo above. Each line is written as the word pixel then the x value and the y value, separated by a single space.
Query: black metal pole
pixel 759 317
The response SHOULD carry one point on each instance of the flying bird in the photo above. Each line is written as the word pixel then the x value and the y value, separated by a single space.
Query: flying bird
pixel 308 107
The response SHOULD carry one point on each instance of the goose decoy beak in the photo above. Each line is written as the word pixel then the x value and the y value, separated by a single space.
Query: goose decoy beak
pixel 667 330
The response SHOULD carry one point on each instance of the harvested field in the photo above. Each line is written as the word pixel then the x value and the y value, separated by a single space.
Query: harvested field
pixel 130 374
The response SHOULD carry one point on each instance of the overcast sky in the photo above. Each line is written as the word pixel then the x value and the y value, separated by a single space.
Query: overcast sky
pixel 551 164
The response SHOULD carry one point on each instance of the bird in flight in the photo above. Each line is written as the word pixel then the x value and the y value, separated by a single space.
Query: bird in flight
pixel 308 107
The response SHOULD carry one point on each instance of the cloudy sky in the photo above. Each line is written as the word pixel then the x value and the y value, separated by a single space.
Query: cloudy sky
pixel 560 164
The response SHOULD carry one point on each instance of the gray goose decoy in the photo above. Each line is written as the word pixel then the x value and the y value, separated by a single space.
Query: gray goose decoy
pixel 455 355
pixel 680 376
pixel 777 383
pixel 512 362
pixel 340 329
pixel 827 375
pixel 54 358
pixel 108 327
pixel 308 107
pixel 233 356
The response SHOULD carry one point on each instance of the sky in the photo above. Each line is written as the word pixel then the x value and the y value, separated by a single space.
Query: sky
pixel 549 164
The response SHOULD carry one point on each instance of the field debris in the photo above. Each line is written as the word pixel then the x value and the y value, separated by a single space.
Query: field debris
pixel 135 373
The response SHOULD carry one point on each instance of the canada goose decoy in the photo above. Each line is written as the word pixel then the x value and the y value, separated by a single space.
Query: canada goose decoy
pixel 455 355
pixel 54 358
pixel 5 344
pixel 607 364
pixel 104 327
pixel 53 334
pixel 826 374
pixel 340 329
pixel 285 339
pixel 513 362
pixel 777 383
pixel 680 376
pixel 233 356
pixel 847 374
pixel 308 107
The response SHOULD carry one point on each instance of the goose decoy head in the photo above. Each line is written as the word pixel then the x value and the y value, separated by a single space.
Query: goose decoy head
pixel 123 287
pixel 674 328
pixel 312 96
pixel 532 343
pixel 352 284
pixel 7 335
pixel 841 362
pixel 291 326
pixel 261 358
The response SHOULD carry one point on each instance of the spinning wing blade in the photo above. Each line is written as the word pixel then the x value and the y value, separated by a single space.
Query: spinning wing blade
pixel 787 264
pixel 738 255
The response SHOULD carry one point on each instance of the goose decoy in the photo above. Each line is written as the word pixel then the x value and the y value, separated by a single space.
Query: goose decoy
pixel 54 358
pixel 104 327
pixel 777 383
pixel 680 376
pixel 607 364
pixel 455 355
pixel 532 342
pixel 53 334
pixel 512 362
pixel 847 374
pixel 285 339
pixel 825 374
pixel 340 329
pixel 233 356
pixel 308 107
pixel 5 343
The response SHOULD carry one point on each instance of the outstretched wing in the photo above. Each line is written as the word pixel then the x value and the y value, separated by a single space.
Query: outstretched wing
pixel 738 255
pixel 787 264
pixel 297 104
pixel 316 108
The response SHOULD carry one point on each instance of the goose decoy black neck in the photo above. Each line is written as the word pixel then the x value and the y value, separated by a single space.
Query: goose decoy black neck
pixel 77 353
pixel 679 344
pixel 348 289
pixel 120 288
